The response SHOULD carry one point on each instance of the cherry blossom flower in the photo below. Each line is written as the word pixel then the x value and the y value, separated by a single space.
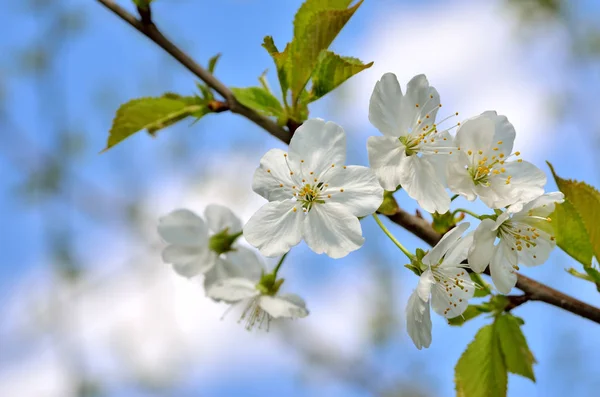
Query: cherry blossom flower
pixel 312 195
pixel 482 166
pixel 196 246
pixel 525 236
pixel 412 152
pixel 446 285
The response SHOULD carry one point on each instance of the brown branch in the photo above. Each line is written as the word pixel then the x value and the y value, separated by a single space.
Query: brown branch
pixel 149 29
pixel 533 290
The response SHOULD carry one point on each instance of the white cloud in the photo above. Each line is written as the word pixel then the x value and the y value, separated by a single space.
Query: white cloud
pixel 470 53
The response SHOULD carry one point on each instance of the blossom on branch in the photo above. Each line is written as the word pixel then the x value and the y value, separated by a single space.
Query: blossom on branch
pixel 482 166
pixel 445 285
pixel 312 195
pixel 525 236
pixel 412 152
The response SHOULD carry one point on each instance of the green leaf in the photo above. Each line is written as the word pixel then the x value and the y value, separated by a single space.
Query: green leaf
pixel 517 356
pixel 259 99
pixel 480 371
pixel 331 71
pixel 389 206
pixel 212 62
pixel 570 233
pixel 315 28
pixel 281 60
pixel 585 199
pixel 469 314
pixel 152 114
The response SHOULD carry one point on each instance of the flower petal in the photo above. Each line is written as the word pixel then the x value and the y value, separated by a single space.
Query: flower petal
pixel 232 289
pixel 541 206
pixel 434 256
pixel 316 145
pixel 418 321
pixel 289 306
pixel 183 227
pixel 457 176
pixel 273 172
pixel 219 218
pixel 482 249
pixel 385 158
pixel 247 261
pixel 189 261
pixel 475 134
pixel 418 177
pixel 458 252
pixel 526 183
pixel 504 134
pixel 449 299
pixel 501 268
pixel 426 281
pixel 275 227
pixel 222 269
pixel 355 188
pixel 420 101
pixel 385 105
pixel 332 230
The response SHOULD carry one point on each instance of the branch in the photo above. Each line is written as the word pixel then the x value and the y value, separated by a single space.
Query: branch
pixel 533 290
pixel 149 29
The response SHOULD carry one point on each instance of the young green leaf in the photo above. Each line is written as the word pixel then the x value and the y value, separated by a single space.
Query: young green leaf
pixel 259 99
pixel 281 60
pixel 389 206
pixel 480 371
pixel 585 199
pixel 313 32
pixel 152 114
pixel 570 233
pixel 212 63
pixel 331 71
pixel 481 287
pixel 517 356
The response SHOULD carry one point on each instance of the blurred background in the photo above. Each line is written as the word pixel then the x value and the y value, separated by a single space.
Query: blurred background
pixel 88 309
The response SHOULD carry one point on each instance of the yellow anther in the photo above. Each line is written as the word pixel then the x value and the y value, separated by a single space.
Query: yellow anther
pixel 303 180
pixel 502 169
pixel 269 171
pixel 345 167
pixel 295 209
pixel 329 196
pixel 458 148
pixel 291 173
pixel 549 219
pixel 435 151
pixel 311 172
pixel 519 160
pixel 470 152
pixel 456 114
pixel 501 155
pixel 315 179
pixel 499 142
pixel 517 153
pixel 342 190
pixel 281 185
pixel 480 152
pixel 417 105
pixel 332 165
pixel 302 161
pixel 495 148
pixel 285 155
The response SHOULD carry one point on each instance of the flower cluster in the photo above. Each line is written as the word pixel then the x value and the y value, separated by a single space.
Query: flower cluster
pixel 313 196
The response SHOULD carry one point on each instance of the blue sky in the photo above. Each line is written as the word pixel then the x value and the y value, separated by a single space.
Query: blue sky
pixel 472 53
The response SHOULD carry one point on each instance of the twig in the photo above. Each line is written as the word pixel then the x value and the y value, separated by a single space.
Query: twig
pixel 150 30
pixel 533 290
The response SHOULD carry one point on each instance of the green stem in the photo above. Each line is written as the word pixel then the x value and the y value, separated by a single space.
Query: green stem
pixel 279 264
pixel 454 197
pixel 391 236
pixel 235 236
pixel 474 215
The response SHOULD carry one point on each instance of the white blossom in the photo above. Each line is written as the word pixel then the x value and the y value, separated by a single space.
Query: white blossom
pixel 446 285
pixel 525 237
pixel 412 152
pixel 482 166
pixel 257 294
pixel 312 195
pixel 196 246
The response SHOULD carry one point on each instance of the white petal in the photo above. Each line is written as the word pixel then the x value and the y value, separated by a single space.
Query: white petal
pixel 482 249
pixel 476 134
pixel 458 252
pixel 504 134
pixel 419 180
pixel 526 183
pixel 434 256
pixel 458 179
pixel 501 268
pixel 426 281
pixel 384 106
pixel 275 227
pixel 232 289
pixel 183 227
pixel 420 100
pixel 418 321
pixel 332 230
pixel 222 269
pixel 362 193
pixel 273 172
pixel 385 158
pixel 250 265
pixel 189 261
pixel 288 306
pixel 448 299
pixel 219 218
pixel 541 206
pixel 320 144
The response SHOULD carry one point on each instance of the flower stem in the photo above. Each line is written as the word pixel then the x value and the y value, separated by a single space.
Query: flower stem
pixel 454 197
pixel 391 236
pixel 474 215
pixel 279 265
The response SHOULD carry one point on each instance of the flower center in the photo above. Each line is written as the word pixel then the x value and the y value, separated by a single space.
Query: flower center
pixel 221 242
pixel 253 314
pixel 522 235
pixel 452 284
pixel 483 168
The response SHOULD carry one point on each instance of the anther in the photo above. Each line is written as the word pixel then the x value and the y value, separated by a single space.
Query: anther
pixel 342 190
